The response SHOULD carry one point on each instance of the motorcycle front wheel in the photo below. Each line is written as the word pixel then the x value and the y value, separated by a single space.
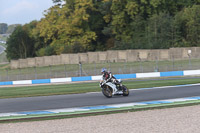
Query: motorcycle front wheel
pixel 107 91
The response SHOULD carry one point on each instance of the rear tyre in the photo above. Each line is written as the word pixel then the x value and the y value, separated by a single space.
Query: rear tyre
pixel 125 90
pixel 107 91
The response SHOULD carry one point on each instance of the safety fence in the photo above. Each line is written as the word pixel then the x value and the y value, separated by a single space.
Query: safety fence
pixel 79 70
pixel 95 78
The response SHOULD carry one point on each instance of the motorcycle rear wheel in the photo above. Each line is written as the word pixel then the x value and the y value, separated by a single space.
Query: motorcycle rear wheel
pixel 125 90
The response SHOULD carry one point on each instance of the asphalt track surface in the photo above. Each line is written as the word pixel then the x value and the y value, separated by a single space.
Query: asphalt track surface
pixel 94 99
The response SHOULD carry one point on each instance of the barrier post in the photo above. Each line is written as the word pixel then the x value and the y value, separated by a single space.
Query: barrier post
pixel 80 69
pixel 19 76
pixel 189 54
pixel 35 70
pixel 7 74
pixel 65 70
pixel 50 71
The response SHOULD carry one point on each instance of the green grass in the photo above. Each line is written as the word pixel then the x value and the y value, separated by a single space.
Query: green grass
pixel 46 90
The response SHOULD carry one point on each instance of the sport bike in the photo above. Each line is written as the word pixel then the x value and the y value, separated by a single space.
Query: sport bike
pixel 109 89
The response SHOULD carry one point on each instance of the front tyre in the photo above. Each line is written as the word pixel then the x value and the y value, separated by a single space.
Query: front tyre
pixel 125 90
pixel 107 91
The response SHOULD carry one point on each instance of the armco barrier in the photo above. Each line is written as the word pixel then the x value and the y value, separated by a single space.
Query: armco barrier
pixel 6 83
pixel 81 78
pixel 173 73
pixel 125 76
pixel 98 77
pixel 41 81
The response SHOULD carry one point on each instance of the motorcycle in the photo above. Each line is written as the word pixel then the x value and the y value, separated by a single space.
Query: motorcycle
pixel 109 89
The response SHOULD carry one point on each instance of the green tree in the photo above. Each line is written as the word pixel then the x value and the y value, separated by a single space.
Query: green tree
pixel 70 25
pixel 192 16
pixel 19 44
pixel 160 31
pixel 187 27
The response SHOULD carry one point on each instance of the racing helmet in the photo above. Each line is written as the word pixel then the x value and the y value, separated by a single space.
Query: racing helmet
pixel 103 70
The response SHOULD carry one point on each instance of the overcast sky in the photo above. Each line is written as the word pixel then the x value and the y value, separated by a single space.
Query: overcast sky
pixel 22 11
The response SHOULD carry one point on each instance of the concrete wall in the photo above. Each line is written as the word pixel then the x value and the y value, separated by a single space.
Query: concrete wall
pixel 164 54
pixel 14 64
pixel 31 62
pixel 132 55
pixel 23 63
pixel 39 61
pixel 65 59
pixel 56 59
pixel 73 59
pixel 110 56
pixel 83 57
pixel 48 60
pixel 102 57
pixel 93 57
pixel 195 52
pixel 122 56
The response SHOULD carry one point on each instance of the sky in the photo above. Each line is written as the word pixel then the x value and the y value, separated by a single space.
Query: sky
pixel 22 11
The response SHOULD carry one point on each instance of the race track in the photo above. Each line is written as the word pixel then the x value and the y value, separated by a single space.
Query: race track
pixel 94 99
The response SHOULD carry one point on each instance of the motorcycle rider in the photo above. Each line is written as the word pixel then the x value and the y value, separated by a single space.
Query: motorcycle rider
pixel 108 77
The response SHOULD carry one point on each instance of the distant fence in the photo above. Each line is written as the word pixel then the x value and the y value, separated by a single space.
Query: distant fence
pixel 79 70
pixel 98 77
pixel 110 56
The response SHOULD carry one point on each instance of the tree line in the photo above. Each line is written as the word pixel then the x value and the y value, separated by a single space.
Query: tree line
pixel 72 26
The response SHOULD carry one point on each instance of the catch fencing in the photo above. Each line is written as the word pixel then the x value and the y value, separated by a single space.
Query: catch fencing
pixel 78 70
